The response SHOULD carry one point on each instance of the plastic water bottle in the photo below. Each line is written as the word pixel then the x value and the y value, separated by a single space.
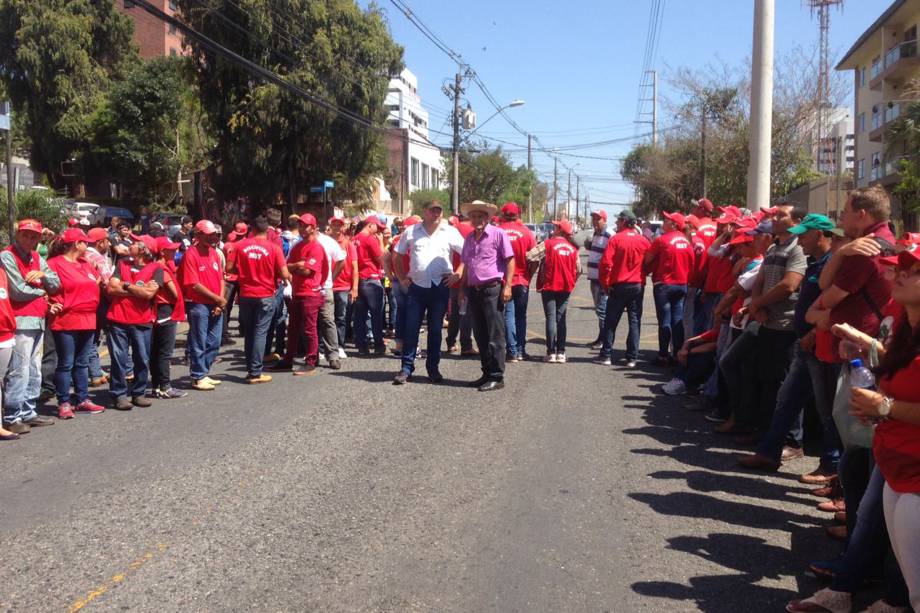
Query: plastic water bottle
pixel 860 376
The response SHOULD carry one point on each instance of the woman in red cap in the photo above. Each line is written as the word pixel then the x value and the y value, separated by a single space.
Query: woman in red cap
pixel 170 309
pixel 73 323
pixel 561 270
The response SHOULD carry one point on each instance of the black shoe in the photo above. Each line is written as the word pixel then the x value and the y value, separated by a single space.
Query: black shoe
pixel 140 401
pixel 364 351
pixel 492 384
pixel 480 381
pixel 715 417
pixel 401 378
pixel 282 365
pixel 39 421
pixel 382 350
pixel 435 377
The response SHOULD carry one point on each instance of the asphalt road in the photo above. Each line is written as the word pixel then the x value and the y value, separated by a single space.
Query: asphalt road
pixel 576 488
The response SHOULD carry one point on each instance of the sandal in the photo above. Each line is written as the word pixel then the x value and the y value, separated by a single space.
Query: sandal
pixel 823 601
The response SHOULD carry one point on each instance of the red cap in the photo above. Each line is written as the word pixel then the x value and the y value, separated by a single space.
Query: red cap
pixel 706 204
pixel 241 229
pixel 726 218
pixel 411 220
pixel 30 225
pixel 907 259
pixel 453 220
pixel 564 225
pixel 307 219
pixel 73 235
pixel 73 222
pixel 163 242
pixel 337 218
pixel 678 218
pixel 600 213
pixel 694 221
pixel 376 221
pixel 149 242
pixel 771 211
pixel 205 226
pixel 97 234
pixel 511 209
pixel 741 238
pixel 749 221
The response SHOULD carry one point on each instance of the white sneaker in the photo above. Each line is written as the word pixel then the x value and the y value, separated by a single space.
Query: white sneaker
pixel 550 358
pixel 560 358
pixel 674 387
pixel 342 354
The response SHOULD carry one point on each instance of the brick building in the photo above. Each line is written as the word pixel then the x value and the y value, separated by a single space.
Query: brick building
pixel 153 37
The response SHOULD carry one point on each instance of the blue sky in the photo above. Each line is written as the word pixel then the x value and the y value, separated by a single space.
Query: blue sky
pixel 577 64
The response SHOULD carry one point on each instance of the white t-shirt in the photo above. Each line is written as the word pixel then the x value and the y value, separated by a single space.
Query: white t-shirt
pixel 334 252
pixel 430 254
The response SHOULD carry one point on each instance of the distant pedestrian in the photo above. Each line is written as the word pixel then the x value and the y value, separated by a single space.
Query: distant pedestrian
pixel 561 267
pixel 670 259
pixel 370 286
pixel 596 246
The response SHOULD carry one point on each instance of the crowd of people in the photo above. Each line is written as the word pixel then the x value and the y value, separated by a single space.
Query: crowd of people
pixel 767 317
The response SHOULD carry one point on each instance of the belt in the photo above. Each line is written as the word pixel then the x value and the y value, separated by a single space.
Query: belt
pixel 487 285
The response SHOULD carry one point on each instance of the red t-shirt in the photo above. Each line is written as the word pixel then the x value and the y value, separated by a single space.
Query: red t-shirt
pixel 861 276
pixel 719 276
pixel 405 258
pixel 522 241
pixel 312 254
pixel 896 444
pixel 7 318
pixel 674 259
pixel 698 274
pixel 465 229
pixel 368 249
pixel 622 259
pixel 560 266
pixel 79 294
pixel 259 262
pixel 229 248
pixel 708 231
pixel 342 283
pixel 131 309
pixel 204 269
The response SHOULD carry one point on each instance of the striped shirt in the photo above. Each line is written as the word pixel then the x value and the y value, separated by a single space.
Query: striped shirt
pixel 596 251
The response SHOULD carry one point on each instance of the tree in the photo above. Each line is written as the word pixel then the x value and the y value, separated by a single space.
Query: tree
pixel 270 141
pixel 487 174
pixel 57 58
pixel 47 206
pixel 422 197
pixel 150 130
pixel 902 143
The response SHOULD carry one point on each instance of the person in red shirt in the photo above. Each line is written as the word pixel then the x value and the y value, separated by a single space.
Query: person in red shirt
pixel 561 269
pixel 202 277
pixel 522 241
pixel 309 267
pixel 706 228
pixel 621 276
pixel 259 266
pixel 459 324
pixel 399 291
pixel 170 310
pixel 670 260
pixel 370 286
pixel 231 283
pixel 132 290
pixel 7 341
pixel 72 322
pixel 345 285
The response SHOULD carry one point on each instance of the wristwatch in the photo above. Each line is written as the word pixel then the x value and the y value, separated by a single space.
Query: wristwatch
pixel 885 408
pixel 125 286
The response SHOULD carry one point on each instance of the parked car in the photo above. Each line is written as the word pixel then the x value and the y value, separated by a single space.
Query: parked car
pixel 537 231
pixel 103 215
pixel 85 210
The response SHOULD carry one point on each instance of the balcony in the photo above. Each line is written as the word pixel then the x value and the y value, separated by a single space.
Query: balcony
pixel 880 121
pixel 900 62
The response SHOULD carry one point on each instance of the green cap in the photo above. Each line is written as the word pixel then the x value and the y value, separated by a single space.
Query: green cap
pixel 813 221
pixel 627 214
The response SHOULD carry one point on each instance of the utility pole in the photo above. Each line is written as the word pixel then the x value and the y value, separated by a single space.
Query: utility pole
pixel 655 109
pixel 555 183
pixel 530 170
pixel 758 192
pixel 10 189
pixel 455 184
pixel 577 196
pixel 568 194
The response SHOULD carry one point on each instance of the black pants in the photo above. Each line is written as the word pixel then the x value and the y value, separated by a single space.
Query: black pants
pixel 488 312
pixel 161 349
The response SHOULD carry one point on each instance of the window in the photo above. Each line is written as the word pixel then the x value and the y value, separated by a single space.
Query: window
pixel 434 178
pixel 173 52
pixel 413 173
pixel 861 169
pixel 425 176
pixel 876 67
pixel 861 123
pixel 876 171
pixel 172 29
pixel 129 4
pixel 172 6
pixel 862 77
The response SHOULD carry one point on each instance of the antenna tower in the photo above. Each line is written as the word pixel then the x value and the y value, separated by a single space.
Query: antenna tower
pixel 823 93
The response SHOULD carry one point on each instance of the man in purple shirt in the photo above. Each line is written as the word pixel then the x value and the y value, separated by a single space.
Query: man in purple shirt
pixel 488 269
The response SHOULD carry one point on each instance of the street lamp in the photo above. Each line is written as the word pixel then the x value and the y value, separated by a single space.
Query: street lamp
pixel 512 104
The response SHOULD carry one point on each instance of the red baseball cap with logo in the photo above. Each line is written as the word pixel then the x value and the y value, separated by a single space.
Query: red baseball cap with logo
pixel 678 218
pixel 241 229
pixel 205 226
pixel 599 213
pixel 73 222
pixel 376 221
pixel 411 220
pixel 307 219
pixel 148 241
pixel 163 243
pixel 29 225
pixel 741 238
pixel 564 225
pixel 97 234
pixel 73 235
pixel 705 204
pixel 511 209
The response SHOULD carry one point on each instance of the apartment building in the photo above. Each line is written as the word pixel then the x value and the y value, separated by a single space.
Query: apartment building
pixel 153 37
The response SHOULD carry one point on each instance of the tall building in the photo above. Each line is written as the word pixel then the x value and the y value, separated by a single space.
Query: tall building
pixel 884 61
pixel 153 37
pixel 414 161
pixel 838 147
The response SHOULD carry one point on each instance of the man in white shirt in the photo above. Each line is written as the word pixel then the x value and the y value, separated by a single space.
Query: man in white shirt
pixel 428 281
pixel 326 320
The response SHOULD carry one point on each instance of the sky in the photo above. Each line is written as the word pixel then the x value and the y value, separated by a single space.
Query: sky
pixel 577 66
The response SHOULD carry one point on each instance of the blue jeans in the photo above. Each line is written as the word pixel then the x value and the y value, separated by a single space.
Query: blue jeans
pixel 392 306
pixel 340 306
pixel 599 296
pixel 256 316
pixel 868 533
pixel 669 307
pixel 737 367
pixel 204 332
pixel 628 297
pixel 790 402
pixel 554 307
pixel 824 382
pixel 24 378
pixel 419 300
pixel 129 349
pixel 401 295
pixel 369 304
pixel 74 348
pixel 278 327
pixel 702 311
pixel 516 321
